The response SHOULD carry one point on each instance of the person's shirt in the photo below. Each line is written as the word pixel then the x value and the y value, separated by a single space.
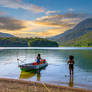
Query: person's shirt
pixel 70 61
pixel 38 57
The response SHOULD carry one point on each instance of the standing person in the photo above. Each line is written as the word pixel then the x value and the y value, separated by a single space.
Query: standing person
pixel 38 58
pixel 71 65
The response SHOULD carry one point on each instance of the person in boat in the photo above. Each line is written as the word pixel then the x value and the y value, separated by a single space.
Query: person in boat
pixel 38 58
pixel 71 64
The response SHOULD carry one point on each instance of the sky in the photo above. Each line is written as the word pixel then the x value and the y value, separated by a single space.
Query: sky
pixel 42 18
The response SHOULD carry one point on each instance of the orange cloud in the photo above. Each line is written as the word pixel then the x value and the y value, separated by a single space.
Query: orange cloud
pixel 46 26
pixel 47 33
pixel 51 32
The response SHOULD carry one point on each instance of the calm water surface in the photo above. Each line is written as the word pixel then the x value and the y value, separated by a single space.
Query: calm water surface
pixel 57 70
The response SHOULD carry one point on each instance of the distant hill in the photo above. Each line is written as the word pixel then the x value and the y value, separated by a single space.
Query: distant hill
pixel 83 41
pixel 79 30
pixel 6 35
pixel 41 42
pixel 26 42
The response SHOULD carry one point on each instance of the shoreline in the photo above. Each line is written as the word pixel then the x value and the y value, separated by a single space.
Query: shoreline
pixel 46 48
pixel 17 85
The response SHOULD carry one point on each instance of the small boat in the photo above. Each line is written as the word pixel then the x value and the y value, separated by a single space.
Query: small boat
pixel 33 66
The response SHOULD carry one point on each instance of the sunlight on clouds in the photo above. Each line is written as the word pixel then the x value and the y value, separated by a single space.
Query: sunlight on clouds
pixel 37 29
pixel 57 21
pixel 45 26
pixel 51 32
pixel 47 33
pixel 33 29
pixel 71 20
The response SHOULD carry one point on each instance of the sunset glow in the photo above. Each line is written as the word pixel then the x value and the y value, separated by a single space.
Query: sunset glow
pixel 24 18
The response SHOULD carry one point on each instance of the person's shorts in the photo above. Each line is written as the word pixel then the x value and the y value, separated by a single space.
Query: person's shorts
pixel 38 61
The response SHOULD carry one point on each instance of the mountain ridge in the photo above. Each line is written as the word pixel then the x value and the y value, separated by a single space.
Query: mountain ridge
pixel 6 35
pixel 79 30
pixel 83 41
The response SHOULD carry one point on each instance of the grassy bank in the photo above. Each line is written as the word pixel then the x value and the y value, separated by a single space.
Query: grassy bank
pixel 13 85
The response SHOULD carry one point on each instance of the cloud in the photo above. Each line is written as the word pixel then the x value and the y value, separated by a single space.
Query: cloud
pixel 11 24
pixel 16 4
pixel 7 23
pixel 65 20
pixel 52 12
pixel 23 28
pixel 19 4
pixel 71 9
pixel 19 1
pixel 2 13
pixel 47 33
pixel 45 26
pixel 50 32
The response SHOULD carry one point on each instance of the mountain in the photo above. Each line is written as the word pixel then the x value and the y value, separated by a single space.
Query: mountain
pixel 60 35
pixel 6 35
pixel 83 41
pixel 79 30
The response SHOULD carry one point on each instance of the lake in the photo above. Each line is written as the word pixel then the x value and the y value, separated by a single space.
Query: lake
pixel 57 70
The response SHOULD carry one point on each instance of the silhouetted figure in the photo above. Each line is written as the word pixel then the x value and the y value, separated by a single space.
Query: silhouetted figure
pixel 71 65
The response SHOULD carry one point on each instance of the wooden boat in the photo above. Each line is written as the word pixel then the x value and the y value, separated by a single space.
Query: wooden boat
pixel 31 66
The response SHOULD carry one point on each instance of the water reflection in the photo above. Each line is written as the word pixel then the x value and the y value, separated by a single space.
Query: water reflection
pixel 38 76
pixel 71 81
pixel 26 75
pixel 82 57
pixel 30 74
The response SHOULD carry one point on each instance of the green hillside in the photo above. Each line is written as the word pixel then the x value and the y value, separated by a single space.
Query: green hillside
pixel 26 42
pixel 80 35
pixel 39 42
pixel 83 41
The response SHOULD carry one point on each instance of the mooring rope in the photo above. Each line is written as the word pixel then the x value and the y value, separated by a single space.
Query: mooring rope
pixel 46 87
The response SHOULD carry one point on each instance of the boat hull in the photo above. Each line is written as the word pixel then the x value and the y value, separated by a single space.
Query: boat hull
pixel 30 66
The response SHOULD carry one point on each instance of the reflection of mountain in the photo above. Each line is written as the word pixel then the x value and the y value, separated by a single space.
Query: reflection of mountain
pixel 83 60
pixel 6 35
pixel 74 34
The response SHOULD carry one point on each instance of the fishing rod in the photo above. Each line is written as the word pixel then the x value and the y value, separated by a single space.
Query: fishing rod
pixel 18 61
